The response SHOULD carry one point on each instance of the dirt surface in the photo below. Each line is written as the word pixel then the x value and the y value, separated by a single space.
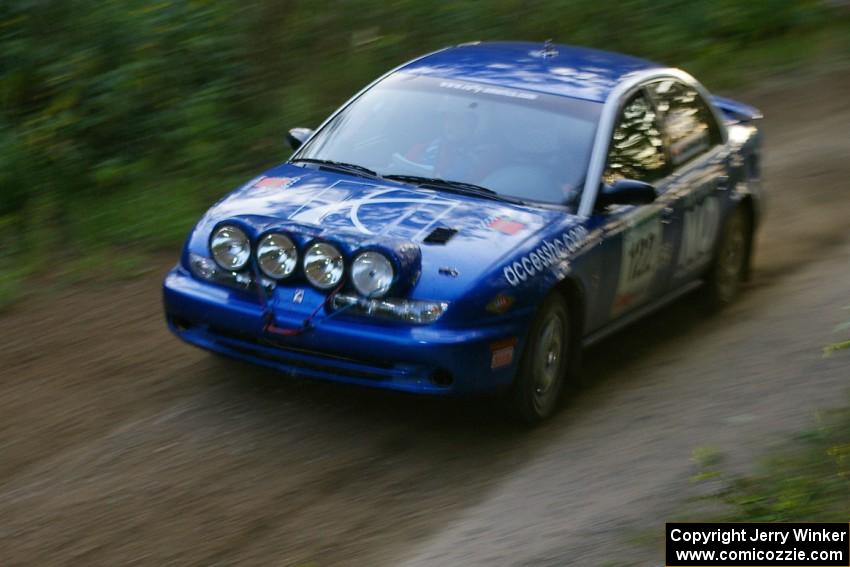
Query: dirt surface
pixel 121 445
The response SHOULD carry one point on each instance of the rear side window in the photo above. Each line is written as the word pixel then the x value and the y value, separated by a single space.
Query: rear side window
pixel 636 150
pixel 686 119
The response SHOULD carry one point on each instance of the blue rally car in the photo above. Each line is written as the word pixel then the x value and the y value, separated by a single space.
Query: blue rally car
pixel 470 220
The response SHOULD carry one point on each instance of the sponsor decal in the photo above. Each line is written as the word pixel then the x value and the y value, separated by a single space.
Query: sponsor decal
pixel 623 301
pixel 639 263
pixel 700 231
pixel 505 226
pixel 545 255
pixel 276 182
pixel 485 89
pixel 371 210
pixel 374 210
pixel 298 296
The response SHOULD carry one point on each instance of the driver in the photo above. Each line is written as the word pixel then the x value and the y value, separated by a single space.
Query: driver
pixel 450 155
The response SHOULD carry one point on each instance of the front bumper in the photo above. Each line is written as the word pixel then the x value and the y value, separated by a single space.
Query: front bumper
pixel 425 359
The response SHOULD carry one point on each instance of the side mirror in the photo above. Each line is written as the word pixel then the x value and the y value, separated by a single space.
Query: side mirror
pixel 626 192
pixel 297 136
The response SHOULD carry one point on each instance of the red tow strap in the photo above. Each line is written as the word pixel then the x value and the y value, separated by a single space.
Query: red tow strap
pixel 268 314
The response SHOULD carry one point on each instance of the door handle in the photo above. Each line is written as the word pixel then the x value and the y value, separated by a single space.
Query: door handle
pixel 722 182
pixel 667 215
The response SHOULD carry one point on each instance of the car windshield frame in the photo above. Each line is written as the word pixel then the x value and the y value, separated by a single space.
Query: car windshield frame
pixel 580 112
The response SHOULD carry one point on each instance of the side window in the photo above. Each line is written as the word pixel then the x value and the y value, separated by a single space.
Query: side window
pixel 636 150
pixel 686 119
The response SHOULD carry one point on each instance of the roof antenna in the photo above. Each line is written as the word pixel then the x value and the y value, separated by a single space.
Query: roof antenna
pixel 548 49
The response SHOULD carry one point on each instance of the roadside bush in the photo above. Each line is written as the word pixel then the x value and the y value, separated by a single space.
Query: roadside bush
pixel 806 480
pixel 840 345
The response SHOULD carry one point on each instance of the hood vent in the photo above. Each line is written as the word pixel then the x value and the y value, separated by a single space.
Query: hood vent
pixel 440 235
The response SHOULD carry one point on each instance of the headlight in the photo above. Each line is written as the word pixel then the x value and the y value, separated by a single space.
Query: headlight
pixel 406 310
pixel 230 247
pixel 277 256
pixel 372 274
pixel 323 265
pixel 206 269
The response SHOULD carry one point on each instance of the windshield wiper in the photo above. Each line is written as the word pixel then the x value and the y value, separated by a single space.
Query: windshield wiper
pixel 339 166
pixel 457 186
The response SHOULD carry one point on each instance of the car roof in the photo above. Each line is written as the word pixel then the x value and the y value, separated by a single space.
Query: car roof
pixel 550 68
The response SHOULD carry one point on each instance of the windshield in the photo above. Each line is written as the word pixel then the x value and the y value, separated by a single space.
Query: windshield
pixel 517 143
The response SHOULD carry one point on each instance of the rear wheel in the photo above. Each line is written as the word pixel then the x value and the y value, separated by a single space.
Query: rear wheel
pixel 543 367
pixel 729 267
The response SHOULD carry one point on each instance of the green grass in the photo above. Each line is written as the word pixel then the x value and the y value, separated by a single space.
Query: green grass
pixel 11 286
pixel 20 257
pixel 806 479
pixel 841 344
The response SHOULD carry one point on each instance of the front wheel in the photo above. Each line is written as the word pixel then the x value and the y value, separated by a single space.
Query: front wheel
pixel 543 367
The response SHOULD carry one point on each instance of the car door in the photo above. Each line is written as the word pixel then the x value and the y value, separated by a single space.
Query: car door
pixel 636 240
pixel 698 183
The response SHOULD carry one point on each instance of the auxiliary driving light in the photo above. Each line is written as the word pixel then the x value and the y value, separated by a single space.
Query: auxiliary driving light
pixel 323 265
pixel 372 274
pixel 277 256
pixel 230 247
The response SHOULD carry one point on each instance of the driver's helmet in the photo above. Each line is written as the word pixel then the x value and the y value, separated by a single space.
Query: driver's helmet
pixel 459 116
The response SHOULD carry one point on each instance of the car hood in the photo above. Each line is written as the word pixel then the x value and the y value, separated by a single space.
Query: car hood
pixel 331 203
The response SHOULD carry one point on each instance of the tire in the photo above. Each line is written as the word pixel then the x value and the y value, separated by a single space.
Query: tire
pixel 729 267
pixel 543 368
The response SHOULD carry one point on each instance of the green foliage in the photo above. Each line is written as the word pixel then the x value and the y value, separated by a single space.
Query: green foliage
pixel 121 119
pixel 829 349
pixel 807 480
pixel 11 287
pixel 841 345
pixel 12 268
